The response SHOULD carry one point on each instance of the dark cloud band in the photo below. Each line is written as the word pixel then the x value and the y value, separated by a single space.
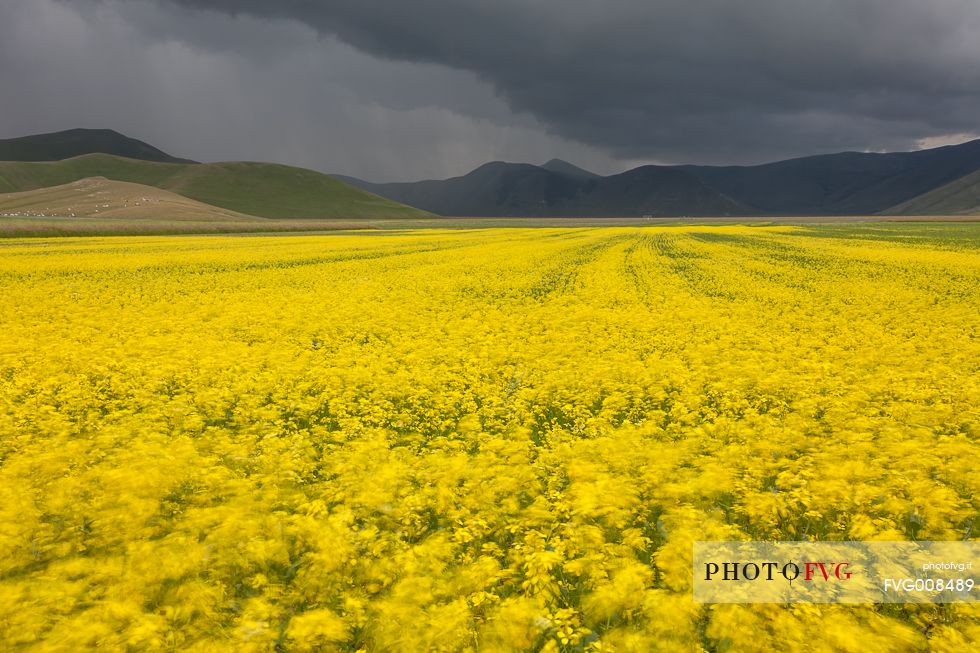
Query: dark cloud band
pixel 681 80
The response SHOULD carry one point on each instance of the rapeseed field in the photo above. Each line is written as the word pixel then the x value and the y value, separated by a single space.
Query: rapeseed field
pixel 476 440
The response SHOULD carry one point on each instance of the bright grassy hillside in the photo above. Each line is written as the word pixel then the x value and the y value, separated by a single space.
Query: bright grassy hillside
pixel 961 196
pixel 98 197
pixel 260 189
pixel 484 440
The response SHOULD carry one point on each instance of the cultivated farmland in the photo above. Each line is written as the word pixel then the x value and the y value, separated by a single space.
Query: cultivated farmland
pixel 476 440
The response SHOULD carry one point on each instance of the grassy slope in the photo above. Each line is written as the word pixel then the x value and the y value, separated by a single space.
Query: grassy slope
pixel 279 191
pixel 98 197
pixel 958 197
pixel 258 189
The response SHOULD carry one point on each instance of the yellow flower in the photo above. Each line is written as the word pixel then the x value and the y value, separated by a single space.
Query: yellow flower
pixel 476 440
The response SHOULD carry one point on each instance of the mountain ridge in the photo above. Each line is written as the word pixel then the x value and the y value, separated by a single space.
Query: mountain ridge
pixel 521 189
pixel 569 169
pixel 942 180
pixel 845 183
pixel 69 143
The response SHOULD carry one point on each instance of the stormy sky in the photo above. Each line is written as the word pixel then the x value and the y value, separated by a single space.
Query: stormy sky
pixel 394 90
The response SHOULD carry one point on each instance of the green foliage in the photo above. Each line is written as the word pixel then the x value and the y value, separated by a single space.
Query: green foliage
pixel 261 189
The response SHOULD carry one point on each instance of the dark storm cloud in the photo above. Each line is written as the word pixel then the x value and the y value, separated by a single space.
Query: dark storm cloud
pixel 406 90
pixel 683 79
pixel 211 87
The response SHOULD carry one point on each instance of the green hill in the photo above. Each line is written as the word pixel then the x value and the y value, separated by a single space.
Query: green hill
pixel 57 146
pixel 261 189
pixel 98 197
pixel 960 197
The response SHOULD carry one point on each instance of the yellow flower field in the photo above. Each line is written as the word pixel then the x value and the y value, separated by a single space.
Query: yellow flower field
pixel 476 440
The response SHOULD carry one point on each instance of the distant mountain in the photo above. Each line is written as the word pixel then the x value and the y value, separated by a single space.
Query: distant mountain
pixel 568 169
pixel 959 197
pixel 655 190
pixel 521 189
pixel 493 189
pixel 257 189
pixel 939 181
pixel 58 146
pixel 849 183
